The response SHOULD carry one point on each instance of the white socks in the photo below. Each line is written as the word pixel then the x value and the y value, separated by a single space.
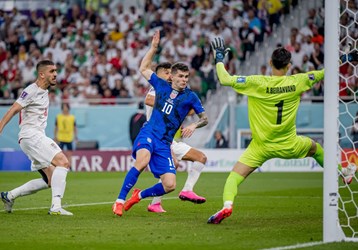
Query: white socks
pixel 58 184
pixel 30 187
pixel 193 175
pixel 228 204
pixel 157 199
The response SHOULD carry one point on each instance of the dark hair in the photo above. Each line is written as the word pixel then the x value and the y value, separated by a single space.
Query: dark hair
pixel 164 65
pixel 44 63
pixel 179 66
pixel 65 104
pixel 140 105
pixel 281 57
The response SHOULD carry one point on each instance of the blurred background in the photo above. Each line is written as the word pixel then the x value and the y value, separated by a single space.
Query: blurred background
pixel 98 46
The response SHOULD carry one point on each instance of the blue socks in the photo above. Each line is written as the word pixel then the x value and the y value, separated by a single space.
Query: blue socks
pixel 129 181
pixel 156 190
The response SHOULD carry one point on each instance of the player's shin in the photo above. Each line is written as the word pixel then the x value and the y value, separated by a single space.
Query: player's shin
pixel 193 176
pixel 230 189
pixel 156 190
pixel 319 155
pixel 58 183
pixel 129 181
pixel 28 188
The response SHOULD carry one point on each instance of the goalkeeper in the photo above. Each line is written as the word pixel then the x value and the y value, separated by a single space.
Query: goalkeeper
pixel 272 108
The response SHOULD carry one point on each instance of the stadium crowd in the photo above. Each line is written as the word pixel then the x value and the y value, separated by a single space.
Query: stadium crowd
pixel 98 50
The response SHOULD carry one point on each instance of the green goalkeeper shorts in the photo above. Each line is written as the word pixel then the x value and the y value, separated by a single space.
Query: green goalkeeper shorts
pixel 257 152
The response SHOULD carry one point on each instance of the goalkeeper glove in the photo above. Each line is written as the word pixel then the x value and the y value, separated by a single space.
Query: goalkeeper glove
pixel 219 49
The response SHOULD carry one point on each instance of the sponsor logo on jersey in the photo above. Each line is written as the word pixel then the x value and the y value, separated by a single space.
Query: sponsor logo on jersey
pixel 149 140
pixel 174 94
pixel 23 94
pixel 311 77
pixel 241 79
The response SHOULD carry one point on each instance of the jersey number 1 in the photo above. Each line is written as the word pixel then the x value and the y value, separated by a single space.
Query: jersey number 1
pixel 279 112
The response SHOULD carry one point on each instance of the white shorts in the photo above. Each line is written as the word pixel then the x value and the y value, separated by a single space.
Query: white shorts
pixel 40 150
pixel 180 149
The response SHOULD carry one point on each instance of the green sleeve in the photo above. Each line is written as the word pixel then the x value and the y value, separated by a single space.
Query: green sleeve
pixel 307 80
pixel 224 77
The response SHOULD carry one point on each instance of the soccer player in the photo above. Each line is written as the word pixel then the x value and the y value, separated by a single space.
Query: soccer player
pixel 45 155
pixel 181 151
pixel 272 108
pixel 152 145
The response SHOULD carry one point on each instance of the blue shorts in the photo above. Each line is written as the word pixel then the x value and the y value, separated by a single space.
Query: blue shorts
pixel 67 145
pixel 161 161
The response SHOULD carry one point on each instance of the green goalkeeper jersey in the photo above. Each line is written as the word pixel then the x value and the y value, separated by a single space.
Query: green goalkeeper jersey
pixel 272 101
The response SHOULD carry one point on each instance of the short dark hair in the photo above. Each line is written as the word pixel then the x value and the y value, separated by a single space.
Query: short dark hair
pixel 179 66
pixel 65 104
pixel 281 57
pixel 164 65
pixel 43 63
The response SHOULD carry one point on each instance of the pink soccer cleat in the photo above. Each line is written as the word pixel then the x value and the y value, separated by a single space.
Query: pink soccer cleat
pixel 191 196
pixel 219 216
pixel 156 208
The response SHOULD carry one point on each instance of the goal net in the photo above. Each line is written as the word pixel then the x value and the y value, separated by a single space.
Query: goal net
pixel 340 113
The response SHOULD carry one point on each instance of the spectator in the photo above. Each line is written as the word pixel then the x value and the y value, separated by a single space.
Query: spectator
pixel 354 132
pixel 136 122
pixel 66 130
pixel 221 142
pixel 247 37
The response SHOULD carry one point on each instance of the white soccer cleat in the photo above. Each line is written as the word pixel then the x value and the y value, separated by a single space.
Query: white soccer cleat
pixel 59 211
pixel 8 203
pixel 348 173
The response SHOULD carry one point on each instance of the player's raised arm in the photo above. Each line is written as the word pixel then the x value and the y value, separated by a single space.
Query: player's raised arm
pixel 219 52
pixel 145 66
pixel 13 110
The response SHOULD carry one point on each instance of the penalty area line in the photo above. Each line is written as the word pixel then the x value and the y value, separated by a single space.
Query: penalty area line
pixel 300 245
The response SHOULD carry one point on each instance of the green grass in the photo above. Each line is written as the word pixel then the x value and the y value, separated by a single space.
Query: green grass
pixel 272 210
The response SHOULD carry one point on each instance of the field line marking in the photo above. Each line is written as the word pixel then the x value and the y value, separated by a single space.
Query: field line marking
pixel 166 198
pixel 300 245
pixel 82 204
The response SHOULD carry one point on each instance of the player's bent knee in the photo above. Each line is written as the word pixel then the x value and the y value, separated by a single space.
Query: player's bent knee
pixel 61 160
pixel 203 158
pixel 169 186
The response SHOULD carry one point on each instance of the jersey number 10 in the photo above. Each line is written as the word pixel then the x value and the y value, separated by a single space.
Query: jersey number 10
pixel 167 108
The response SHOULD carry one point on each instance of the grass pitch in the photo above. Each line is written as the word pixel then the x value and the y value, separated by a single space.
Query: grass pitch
pixel 272 210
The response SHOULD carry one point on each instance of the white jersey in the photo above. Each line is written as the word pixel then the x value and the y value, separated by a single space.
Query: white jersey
pixel 148 108
pixel 33 116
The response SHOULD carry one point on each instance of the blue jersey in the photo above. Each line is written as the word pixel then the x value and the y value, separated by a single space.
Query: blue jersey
pixel 170 109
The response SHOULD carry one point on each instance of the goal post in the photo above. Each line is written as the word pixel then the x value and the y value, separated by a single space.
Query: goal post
pixel 331 228
pixel 340 201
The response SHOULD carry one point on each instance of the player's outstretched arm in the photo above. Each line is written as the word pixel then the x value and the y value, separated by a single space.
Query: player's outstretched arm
pixel 13 110
pixel 145 66
pixel 189 130
pixel 219 52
